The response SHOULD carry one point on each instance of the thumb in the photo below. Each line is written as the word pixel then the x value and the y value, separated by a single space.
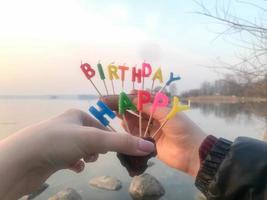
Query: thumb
pixel 101 141
pixel 128 144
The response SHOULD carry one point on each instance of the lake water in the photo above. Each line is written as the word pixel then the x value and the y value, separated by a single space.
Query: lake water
pixel 222 120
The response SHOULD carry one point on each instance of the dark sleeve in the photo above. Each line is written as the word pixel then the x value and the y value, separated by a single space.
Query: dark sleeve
pixel 234 171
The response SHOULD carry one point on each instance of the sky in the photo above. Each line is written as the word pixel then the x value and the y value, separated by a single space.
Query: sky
pixel 42 42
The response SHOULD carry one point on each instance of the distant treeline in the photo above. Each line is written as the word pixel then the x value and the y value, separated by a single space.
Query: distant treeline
pixel 229 87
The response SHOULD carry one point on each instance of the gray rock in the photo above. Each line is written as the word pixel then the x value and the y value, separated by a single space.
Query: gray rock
pixel 146 187
pixel 106 183
pixel 67 194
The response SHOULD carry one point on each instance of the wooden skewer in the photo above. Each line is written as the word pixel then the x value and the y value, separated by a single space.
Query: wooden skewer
pixel 152 87
pixel 133 113
pixel 113 87
pixel 163 88
pixel 126 124
pixel 148 124
pixel 96 88
pixel 105 86
pixel 112 128
pixel 140 124
pixel 159 129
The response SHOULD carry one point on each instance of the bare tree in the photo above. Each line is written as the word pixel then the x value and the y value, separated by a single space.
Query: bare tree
pixel 252 36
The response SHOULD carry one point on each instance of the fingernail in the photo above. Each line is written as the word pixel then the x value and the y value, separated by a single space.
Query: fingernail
pixel 146 146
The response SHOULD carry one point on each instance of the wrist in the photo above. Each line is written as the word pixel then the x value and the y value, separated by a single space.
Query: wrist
pixel 194 158
pixel 20 166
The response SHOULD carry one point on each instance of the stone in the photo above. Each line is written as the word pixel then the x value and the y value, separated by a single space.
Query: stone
pixel 146 187
pixel 106 183
pixel 67 194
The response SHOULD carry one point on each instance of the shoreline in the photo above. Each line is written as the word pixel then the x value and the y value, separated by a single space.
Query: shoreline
pixel 226 99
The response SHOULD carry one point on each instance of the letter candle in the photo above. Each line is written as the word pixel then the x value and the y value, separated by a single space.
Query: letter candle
pixel 176 107
pixel 146 72
pixel 136 76
pixel 157 75
pixel 89 72
pixel 124 105
pixel 123 68
pixel 99 114
pixel 113 74
pixel 102 75
pixel 160 100
pixel 170 81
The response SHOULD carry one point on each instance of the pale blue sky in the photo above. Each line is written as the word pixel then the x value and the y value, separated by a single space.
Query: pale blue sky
pixel 42 42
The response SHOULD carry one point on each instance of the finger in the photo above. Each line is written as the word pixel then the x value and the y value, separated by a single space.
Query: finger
pixel 128 144
pixel 77 166
pixel 96 140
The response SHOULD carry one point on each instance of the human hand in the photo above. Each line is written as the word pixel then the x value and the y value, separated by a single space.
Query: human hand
pixel 177 143
pixel 31 155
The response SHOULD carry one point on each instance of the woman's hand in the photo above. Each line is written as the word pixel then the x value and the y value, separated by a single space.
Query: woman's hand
pixel 31 155
pixel 177 143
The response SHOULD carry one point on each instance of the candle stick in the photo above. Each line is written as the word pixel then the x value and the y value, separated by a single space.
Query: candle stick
pixel 89 72
pixel 157 75
pixel 123 68
pixel 146 72
pixel 136 75
pixel 170 81
pixel 177 107
pixel 100 114
pixel 112 128
pixel 113 74
pixel 160 100
pixel 102 75
pixel 143 98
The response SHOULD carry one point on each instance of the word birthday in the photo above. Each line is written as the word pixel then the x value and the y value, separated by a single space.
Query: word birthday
pixel 118 73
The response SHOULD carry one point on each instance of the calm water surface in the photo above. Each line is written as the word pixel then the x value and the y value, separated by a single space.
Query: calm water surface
pixel 222 120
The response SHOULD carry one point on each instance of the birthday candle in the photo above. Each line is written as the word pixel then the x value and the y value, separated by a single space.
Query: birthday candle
pixel 157 76
pixel 123 69
pixel 136 75
pixel 102 75
pixel 146 72
pixel 89 72
pixel 143 98
pixel 171 80
pixel 160 100
pixel 100 114
pixel 113 74
pixel 125 104
pixel 176 107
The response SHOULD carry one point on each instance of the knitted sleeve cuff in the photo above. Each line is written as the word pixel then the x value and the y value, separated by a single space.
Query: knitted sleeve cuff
pixel 206 146
pixel 211 164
